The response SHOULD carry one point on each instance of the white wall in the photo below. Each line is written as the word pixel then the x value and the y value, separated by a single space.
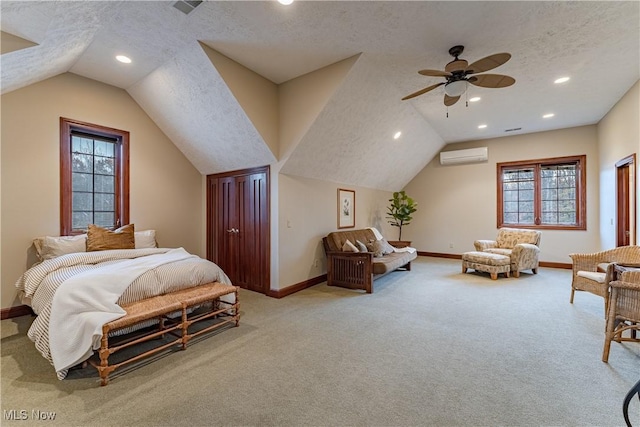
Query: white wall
pixel 458 204
pixel 618 137
pixel 165 189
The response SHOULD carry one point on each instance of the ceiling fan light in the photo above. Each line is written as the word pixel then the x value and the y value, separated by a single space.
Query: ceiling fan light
pixel 455 89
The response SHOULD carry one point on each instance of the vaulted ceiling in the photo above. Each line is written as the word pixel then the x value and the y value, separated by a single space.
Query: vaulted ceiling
pixel 176 78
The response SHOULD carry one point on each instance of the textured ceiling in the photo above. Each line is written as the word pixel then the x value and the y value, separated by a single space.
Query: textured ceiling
pixel 361 150
pixel 597 44
pixel 198 112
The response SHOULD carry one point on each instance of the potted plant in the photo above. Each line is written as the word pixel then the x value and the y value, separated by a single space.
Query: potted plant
pixel 400 210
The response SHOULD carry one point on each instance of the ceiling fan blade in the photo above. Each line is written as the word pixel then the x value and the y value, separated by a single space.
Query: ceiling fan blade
pixel 420 92
pixel 492 80
pixel 488 63
pixel 450 100
pixel 434 73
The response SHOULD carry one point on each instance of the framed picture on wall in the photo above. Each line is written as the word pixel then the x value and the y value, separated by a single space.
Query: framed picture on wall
pixel 346 208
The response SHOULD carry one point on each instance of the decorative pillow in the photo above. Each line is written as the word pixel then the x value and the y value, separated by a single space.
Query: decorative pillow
pixel 101 239
pixel 375 246
pixel 145 239
pixel 386 247
pixel 349 247
pixel 361 246
pixel 51 247
pixel 38 242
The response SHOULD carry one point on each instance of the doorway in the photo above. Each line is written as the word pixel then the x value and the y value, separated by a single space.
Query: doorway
pixel 626 201
pixel 238 226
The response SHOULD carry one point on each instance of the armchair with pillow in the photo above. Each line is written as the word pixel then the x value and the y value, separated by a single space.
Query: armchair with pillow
pixel 520 245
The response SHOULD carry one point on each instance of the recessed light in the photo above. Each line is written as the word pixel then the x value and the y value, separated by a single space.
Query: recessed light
pixel 397 135
pixel 547 116
pixel 561 80
pixel 475 99
pixel 482 126
pixel 285 2
pixel 123 59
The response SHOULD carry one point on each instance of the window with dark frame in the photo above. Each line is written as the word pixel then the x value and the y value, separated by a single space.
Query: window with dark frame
pixel 544 193
pixel 94 177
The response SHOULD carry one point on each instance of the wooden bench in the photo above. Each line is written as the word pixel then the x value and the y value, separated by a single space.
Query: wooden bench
pixel 172 312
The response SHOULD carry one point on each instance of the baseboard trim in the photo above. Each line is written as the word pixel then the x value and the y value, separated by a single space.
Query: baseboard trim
pixel 556 265
pixel 440 255
pixel 281 293
pixel 17 311
pixel 457 256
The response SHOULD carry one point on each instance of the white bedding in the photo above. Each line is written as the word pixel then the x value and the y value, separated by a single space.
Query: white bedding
pixel 41 282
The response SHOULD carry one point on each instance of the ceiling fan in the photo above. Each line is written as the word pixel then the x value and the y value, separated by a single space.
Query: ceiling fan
pixel 459 74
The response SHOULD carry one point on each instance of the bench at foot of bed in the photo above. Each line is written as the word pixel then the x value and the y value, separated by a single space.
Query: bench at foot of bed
pixel 161 307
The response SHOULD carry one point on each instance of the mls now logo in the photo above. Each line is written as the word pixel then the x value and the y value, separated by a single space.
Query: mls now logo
pixel 15 414
pixel 42 415
pixel 23 414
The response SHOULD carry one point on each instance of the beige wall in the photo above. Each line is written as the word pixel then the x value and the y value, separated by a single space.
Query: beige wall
pixel 618 137
pixel 294 250
pixel 308 212
pixel 257 95
pixel 165 189
pixel 457 204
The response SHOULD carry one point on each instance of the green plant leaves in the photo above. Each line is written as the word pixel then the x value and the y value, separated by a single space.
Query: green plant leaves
pixel 400 210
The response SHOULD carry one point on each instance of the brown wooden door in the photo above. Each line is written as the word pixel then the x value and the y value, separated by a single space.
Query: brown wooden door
pixel 625 202
pixel 238 226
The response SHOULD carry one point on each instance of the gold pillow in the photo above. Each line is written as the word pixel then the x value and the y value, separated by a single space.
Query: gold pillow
pixel 101 239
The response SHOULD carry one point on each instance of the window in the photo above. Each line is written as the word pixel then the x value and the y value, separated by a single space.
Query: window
pixel 546 193
pixel 94 176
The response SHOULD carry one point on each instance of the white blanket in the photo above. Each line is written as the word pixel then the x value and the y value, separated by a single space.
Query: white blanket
pixel 379 237
pixel 85 302
pixel 405 249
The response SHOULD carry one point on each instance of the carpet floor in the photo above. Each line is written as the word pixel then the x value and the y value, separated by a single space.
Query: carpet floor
pixel 431 346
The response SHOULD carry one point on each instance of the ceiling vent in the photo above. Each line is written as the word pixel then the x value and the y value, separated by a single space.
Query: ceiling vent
pixel 186 6
pixel 471 155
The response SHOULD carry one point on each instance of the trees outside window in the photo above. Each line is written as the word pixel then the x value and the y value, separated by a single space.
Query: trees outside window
pixel 544 193
pixel 94 176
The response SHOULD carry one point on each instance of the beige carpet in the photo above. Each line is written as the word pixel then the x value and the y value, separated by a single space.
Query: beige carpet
pixel 429 347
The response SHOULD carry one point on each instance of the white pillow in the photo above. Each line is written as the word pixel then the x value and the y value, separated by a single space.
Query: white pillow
pixel 361 246
pixel 349 247
pixel 145 239
pixel 53 247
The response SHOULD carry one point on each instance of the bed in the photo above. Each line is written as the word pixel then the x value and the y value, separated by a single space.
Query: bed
pixel 74 292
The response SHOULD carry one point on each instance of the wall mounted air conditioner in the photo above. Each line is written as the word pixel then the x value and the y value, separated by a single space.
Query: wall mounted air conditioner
pixel 471 155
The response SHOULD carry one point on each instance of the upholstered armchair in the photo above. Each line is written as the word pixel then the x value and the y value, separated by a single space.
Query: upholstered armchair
pixel 521 246
pixel 593 272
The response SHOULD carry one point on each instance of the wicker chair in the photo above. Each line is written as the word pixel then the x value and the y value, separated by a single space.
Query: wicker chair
pixel 593 272
pixel 624 311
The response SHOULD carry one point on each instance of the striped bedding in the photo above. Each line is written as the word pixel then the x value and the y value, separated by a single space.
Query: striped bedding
pixel 41 281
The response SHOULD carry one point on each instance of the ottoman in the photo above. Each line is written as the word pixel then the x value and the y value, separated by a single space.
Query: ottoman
pixel 487 262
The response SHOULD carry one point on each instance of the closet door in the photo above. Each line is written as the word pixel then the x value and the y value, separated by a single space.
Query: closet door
pixel 226 209
pixel 238 226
